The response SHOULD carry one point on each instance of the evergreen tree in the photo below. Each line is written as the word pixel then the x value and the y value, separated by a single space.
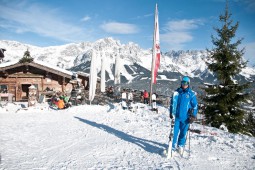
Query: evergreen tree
pixel 26 57
pixel 251 123
pixel 223 99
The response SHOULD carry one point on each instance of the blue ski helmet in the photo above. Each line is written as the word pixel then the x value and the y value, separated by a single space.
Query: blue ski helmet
pixel 185 79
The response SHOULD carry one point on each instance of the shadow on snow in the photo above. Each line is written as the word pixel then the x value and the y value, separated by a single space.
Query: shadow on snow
pixel 111 107
pixel 147 145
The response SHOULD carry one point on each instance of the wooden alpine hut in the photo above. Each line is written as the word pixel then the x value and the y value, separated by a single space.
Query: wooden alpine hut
pixel 16 78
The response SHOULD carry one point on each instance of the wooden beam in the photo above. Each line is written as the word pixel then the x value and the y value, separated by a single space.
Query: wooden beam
pixel 16 88
pixel 63 83
pixel 26 75
pixel 42 85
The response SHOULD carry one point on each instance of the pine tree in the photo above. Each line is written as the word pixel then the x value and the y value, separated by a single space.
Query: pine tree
pixel 223 99
pixel 251 123
pixel 26 57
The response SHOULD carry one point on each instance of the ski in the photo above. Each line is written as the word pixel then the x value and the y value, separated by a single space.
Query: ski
pixel 173 111
pixel 169 151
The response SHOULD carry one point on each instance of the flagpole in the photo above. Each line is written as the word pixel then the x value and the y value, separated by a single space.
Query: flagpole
pixel 153 53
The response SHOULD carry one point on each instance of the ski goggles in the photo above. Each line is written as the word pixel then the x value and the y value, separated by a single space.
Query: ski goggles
pixel 185 83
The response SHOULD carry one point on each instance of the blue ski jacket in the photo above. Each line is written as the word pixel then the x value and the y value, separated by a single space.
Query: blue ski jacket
pixel 186 100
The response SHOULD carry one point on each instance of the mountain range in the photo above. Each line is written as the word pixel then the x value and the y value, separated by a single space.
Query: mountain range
pixel 135 62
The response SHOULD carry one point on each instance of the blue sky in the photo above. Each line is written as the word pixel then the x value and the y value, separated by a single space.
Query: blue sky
pixel 184 24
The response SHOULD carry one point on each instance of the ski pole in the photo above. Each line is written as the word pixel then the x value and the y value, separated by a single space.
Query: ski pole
pixel 171 127
pixel 189 141
pixel 170 139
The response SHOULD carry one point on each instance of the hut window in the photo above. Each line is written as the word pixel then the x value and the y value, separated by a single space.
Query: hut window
pixel 3 88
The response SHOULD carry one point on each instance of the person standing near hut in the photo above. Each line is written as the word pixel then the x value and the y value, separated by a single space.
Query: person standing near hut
pixel 124 99
pixel 154 104
pixel 130 96
pixel 130 100
pixel 145 97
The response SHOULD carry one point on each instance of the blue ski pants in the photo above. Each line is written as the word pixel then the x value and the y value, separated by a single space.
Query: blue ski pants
pixel 180 131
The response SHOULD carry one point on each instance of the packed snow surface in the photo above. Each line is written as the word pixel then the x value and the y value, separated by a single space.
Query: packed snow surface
pixel 107 137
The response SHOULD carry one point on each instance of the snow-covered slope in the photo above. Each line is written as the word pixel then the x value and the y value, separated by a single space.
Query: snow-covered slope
pixel 107 137
pixel 135 62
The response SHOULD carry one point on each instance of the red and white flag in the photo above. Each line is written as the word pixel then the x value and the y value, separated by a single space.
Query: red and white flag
pixel 156 49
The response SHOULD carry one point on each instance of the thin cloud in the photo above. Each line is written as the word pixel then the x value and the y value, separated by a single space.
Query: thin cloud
pixel 182 25
pixel 119 28
pixel 176 40
pixel 26 17
pixel 86 18
pixel 148 15
pixel 144 16
pixel 178 32
pixel 250 5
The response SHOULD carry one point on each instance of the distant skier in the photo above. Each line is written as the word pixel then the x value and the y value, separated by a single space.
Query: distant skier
pixel 154 104
pixel 130 96
pixel 141 96
pixel 124 100
pixel 184 107
pixel 145 97
pixel 130 100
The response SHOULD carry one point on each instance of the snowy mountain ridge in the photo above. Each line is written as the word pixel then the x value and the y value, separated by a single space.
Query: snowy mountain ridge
pixel 135 61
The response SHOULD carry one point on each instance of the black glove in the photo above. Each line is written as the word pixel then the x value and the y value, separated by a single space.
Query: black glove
pixel 192 119
pixel 190 111
pixel 171 116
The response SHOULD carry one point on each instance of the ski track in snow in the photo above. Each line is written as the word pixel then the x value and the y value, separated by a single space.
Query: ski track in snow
pixel 107 137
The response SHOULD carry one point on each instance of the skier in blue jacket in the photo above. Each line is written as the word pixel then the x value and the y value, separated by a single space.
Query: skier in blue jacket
pixel 185 112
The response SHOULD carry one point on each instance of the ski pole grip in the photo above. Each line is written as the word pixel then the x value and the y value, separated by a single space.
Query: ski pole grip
pixel 171 116
pixel 191 111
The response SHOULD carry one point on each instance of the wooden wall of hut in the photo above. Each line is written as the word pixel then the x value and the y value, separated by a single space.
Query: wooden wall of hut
pixel 18 82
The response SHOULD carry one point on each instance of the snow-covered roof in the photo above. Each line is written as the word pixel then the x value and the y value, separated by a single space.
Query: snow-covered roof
pixel 53 67
pixel 41 63
pixel 46 66
pixel 9 63
pixel 86 75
